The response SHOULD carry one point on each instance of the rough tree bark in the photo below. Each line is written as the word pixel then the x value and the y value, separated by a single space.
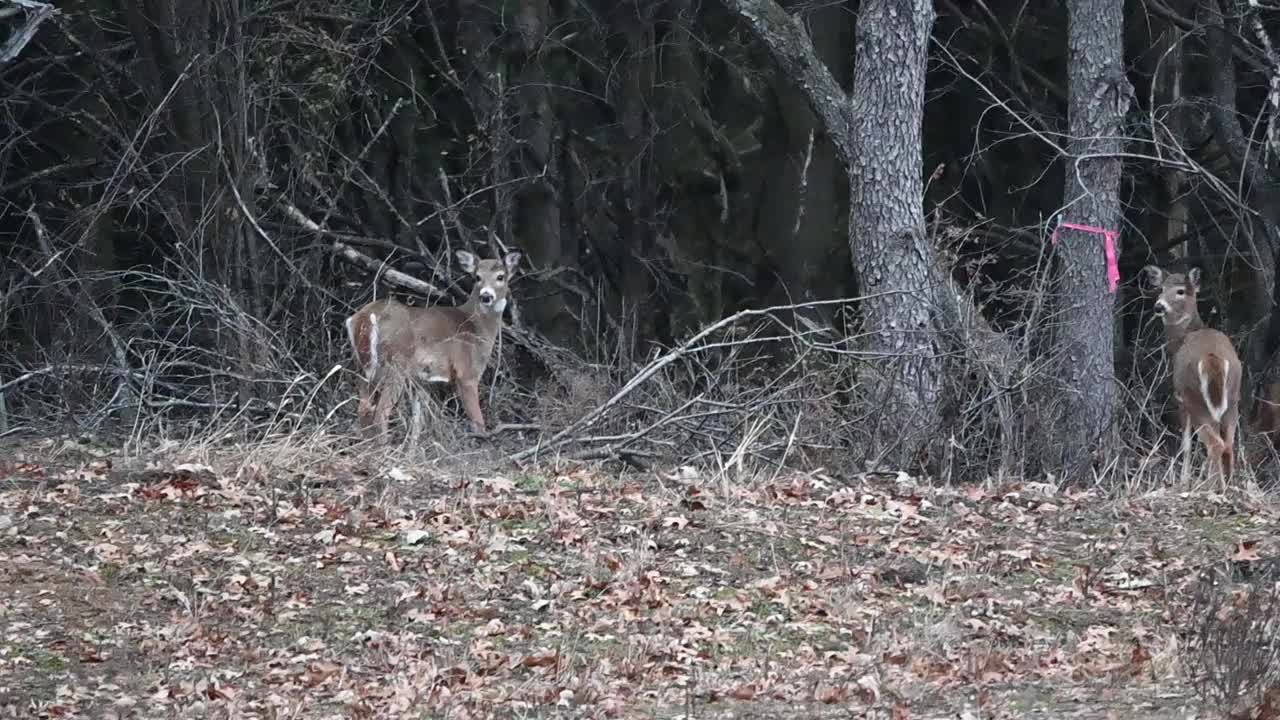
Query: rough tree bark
pixel 1099 96
pixel 877 132
pixel 886 216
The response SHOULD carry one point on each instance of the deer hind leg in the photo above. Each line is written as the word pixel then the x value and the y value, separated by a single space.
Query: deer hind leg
pixel 1230 423
pixel 363 336
pixel 1216 448
pixel 364 410
pixel 469 391
pixel 388 395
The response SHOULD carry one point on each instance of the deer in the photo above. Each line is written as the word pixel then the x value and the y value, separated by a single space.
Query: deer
pixel 394 343
pixel 1206 371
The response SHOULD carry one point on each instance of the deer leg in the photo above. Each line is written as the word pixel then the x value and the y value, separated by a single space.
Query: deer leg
pixel 469 391
pixel 1229 425
pixel 387 397
pixel 1186 449
pixel 366 405
pixel 1215 446
pixel 415 398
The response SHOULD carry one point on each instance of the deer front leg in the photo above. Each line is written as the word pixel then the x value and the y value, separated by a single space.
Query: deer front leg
pixel 1186 449
pixel 469 391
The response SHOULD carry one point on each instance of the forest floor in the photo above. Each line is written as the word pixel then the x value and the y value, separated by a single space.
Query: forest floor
pixel 208 588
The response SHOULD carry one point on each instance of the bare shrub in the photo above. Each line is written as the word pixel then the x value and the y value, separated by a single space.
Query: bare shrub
pixel 1233 643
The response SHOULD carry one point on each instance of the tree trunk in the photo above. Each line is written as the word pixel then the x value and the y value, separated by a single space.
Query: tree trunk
pixel 1260 257
pixel 886 219
pixel 1084 345
pixel 913 312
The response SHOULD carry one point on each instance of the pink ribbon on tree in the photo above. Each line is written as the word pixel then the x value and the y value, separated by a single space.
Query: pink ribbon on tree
pixel 1108 247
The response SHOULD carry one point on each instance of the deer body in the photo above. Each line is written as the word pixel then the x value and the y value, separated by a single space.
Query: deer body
pixel 1206 371
pixel 394 343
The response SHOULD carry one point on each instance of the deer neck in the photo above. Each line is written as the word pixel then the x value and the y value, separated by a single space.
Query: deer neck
pixel 485 319
pixel 1176 331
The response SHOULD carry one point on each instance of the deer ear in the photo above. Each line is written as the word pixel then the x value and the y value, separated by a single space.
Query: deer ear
pixel 466 260
pixel 1154 275
pixel 512 260
pixel 1193 278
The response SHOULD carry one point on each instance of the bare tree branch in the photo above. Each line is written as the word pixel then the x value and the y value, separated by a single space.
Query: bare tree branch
pixel 355 257
pixel 787 40
pixel 37 12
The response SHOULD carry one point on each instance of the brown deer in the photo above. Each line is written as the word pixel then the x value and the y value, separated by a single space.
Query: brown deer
pixel 1206 371
pixel 393 342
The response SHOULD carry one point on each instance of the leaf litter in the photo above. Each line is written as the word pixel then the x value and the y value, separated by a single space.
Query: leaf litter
pixel 195 591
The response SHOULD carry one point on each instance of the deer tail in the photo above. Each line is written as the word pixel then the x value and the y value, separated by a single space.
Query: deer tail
pixel 362 331
pixel 1213 370
pixel 351 334
pixel 373 347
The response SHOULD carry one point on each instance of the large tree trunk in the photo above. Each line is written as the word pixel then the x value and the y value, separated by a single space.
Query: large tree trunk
pixel 886 217
pixel 1259 260
pixel 1084 347
pixel 913 312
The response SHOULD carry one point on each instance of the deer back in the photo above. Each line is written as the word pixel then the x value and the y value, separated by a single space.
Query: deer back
pixel 1204 365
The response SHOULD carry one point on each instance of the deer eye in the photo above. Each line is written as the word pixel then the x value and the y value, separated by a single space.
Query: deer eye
pixel 500 277
pixel 1180 292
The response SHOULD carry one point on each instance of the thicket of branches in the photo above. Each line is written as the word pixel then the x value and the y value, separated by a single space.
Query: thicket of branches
pixel 197 193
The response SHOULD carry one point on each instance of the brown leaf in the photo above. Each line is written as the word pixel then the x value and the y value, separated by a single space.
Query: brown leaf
pixel 1246 551
pixel 318 671
pixel 1139 658
pixel 829 694
pixel 547 658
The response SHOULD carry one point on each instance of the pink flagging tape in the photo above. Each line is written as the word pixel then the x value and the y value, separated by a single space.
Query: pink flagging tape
pixel 1108 247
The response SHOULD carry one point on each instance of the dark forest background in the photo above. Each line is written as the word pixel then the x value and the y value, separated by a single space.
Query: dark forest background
pixel 194 194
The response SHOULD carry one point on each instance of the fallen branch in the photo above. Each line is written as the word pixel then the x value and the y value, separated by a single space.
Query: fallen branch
pixel 565 436
pixel 355 257
pixel 38 12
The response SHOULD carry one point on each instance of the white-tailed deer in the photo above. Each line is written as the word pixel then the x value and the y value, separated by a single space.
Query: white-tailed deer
pixel 393 342
pixel 1206 371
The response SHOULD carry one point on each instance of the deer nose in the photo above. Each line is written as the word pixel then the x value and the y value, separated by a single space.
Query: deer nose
pixel 1162 307
pixel 487 296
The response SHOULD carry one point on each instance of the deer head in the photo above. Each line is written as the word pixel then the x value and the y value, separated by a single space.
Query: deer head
pixel 1176 302
pixel 489 294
